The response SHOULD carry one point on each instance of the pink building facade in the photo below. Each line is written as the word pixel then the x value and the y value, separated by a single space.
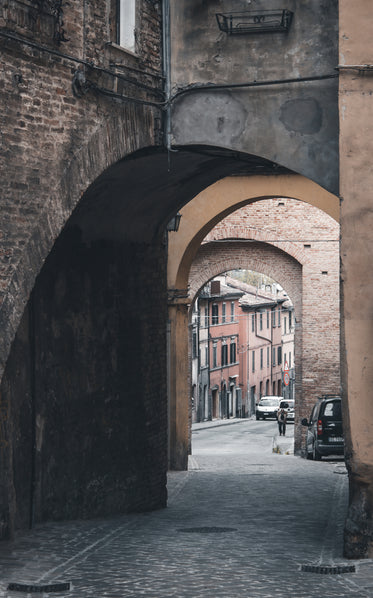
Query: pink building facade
pixel 261 353
pixel 224 327
pixel 239 334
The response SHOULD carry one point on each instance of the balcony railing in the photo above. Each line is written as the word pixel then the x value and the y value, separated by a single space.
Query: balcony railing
pixel 265 21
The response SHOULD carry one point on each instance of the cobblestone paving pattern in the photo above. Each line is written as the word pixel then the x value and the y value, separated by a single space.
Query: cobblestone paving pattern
pixel 239 524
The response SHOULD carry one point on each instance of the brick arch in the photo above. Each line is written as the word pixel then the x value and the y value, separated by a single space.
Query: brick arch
pixel 233 243
pixel 214 258
pixel 91 177
pixel 221 199
pixel 76 171
pixel 234 232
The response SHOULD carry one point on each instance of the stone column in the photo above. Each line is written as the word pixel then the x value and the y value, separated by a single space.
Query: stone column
pixel 356 177
pixel 178 387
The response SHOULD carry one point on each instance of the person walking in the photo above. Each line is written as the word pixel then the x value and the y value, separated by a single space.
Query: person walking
pixel 281 420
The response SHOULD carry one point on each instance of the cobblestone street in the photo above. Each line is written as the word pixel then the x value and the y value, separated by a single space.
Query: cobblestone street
pixel 242 522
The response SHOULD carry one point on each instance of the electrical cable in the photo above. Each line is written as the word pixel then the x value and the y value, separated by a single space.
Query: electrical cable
pixel 86 63
pixel 190 88
pixel 218 86
pixel 118 96
pixel 241 240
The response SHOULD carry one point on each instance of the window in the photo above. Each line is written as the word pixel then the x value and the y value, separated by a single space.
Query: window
pixel 261 321
pixel 268 318
pixel 253 323
pixel 206 317
pixel 285 322
pixel 215 314
pixel 267 357
pixel 273 318
pixel 206 355
pixel 233 352
pixel 261 359
pixel 290 320
pixel 284 358
pixel 279 355
pixel 126 23
pixel 279 316
pixel 274 356
pixel 232 311
pixel 253 361
pixel 214 356
pixel 223 312
pixel 224 354
pixel 194 345
pixel 289 360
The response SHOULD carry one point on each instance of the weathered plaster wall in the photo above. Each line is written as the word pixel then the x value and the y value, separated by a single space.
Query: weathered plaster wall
pixel 356 150
pixel 291 124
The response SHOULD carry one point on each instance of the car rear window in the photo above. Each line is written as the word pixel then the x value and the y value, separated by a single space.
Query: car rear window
pixel 333 410
pixel 286 404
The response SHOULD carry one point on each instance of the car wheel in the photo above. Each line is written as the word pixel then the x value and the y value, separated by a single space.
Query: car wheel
pixel 309 456
pixel 257 417
pixel 316 454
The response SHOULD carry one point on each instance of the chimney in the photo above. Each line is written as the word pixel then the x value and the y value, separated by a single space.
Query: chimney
pixel 215 287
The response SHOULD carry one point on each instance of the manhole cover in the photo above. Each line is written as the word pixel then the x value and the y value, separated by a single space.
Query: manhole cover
pixel 328 569
pixel 38 589
pixel 206 530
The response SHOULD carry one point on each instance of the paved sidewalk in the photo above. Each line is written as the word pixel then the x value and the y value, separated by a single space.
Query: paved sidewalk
pixel 241 523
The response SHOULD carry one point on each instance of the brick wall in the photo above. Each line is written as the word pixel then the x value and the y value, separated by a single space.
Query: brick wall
pixel 53 144
pixel 83 394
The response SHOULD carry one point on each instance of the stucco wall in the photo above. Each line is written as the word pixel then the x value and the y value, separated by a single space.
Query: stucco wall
pixel 291 124
pixel 356 150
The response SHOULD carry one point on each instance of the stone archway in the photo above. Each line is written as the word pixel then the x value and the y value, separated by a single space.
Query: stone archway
pixel 187 248
pixel 85 375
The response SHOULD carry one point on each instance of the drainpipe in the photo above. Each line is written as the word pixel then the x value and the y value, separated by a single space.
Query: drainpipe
pixel 271 349
pixel 166 40
pixel 209 394
pixel 32 340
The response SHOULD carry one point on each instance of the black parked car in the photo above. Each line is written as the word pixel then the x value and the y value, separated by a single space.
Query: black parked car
pixel 324 430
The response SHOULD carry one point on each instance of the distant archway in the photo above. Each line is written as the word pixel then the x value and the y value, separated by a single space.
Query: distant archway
pixel 185 258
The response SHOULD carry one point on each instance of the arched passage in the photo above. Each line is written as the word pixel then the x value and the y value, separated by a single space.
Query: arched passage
pixel 257 256
pixel 227 195
pixel 318 311
pixel 84 389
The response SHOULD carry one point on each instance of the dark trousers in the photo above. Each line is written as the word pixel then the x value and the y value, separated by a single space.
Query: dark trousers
pixel 282 427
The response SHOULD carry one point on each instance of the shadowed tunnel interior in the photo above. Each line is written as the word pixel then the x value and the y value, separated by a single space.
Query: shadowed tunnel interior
pixel 85 382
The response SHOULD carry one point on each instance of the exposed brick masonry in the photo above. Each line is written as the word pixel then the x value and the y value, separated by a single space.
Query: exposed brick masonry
pixel 297 245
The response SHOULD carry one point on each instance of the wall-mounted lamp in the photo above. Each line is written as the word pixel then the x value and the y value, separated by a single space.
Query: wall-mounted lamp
pixel 174 223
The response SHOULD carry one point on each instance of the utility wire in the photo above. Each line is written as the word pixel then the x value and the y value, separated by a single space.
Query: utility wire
pixel 232 239
pixel 87 63
pixel 181 91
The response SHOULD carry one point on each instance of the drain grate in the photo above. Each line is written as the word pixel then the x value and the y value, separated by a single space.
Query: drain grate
pixel 39 589
pixel 329 569
pixel 206 530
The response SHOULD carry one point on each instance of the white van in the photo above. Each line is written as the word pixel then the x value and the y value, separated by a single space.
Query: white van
pixel 268 407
